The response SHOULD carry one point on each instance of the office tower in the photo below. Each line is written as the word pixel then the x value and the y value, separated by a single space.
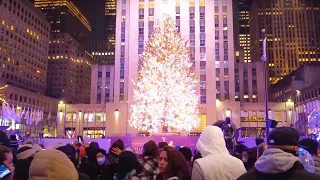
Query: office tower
pixel 195 20
pixel 24 45
pixel 69 69
pixel 293 34
pixel 100 44
pixel 247 73
pixel 65 16
pixel 102 80
pixel 110 20
pixel 102 51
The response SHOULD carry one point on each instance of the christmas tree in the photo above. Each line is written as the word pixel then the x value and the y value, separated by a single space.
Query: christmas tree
pixel 165 96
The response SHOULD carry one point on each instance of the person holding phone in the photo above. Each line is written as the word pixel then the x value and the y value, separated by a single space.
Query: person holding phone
pixel 6 167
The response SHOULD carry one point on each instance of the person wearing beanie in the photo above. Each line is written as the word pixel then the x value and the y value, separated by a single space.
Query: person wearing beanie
pixel 24 158
pixel 72 155
pixel 52 164
pixel 312 146
pixel 280 161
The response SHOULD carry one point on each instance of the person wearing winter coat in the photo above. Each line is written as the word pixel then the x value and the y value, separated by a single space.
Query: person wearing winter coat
pixel 52 164
pixel 128 166
pixel 70 151
pixel 280 161
pixel 24 158
pixel 312 146
pixel 149 161
pixel 172 165
pixel 216 162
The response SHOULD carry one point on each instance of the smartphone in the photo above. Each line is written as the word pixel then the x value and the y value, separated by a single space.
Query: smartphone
pixel 80 139
pixel 4 171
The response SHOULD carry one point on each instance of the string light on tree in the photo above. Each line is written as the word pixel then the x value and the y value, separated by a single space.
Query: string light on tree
pixel 165 96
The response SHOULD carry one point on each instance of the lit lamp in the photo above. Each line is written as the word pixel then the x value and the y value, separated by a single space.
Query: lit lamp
pixel 60 115
pixel 80 114
pixel 228 113
pixel 116 113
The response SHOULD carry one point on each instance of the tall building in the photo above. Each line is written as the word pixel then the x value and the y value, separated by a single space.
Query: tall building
pixel 24 37
pixel 293 34
pixel 65 16
pixel 195 21
pixel 102 81
pixel 69 69
pixel 101 38
pixel 110 20
pixel 102 51
pixel 24 45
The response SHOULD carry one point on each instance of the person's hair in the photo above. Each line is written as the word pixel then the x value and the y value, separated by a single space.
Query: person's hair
pixel 119 144
pixel 260 149
pixel 102 151
pixel 127 162
pixel 150 149
pixel 259 141
pixel 161 145
pixel 197 155
pixel 240 148
pixel 94 145
pixel 186 152
pixel 177 165
pixel 3 151
pixel 310 145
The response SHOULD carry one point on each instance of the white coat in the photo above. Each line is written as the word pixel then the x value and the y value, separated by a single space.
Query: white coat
pixel 216 162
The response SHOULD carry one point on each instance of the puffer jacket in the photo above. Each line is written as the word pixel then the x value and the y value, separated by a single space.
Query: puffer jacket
pixel 216 162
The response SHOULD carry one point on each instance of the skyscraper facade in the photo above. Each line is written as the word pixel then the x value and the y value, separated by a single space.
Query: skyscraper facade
pixel 293 34
pixel 195 19
pixel 65 16
pixel 110 20
pixel 69 69
pixel 24 45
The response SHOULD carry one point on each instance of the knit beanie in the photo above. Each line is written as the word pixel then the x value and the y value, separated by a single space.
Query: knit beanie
pixel 51 164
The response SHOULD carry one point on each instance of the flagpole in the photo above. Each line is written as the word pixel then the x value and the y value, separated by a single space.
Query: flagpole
pixel 94 123
pixel 264 59
pixel 64 120
pixel 88 124
pixel 103 122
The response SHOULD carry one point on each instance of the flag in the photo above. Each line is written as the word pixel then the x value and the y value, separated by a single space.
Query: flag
pixel 243 114
pixel 27 117
pixel 49 115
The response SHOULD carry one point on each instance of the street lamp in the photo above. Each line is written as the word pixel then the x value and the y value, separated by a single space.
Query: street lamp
pixel 116 113
pixel 228 113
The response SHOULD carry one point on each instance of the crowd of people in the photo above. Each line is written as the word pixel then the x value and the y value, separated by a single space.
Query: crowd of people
pixel 275 159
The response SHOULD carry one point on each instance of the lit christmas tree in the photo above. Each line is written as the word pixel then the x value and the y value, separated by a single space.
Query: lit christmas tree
pixel 165 97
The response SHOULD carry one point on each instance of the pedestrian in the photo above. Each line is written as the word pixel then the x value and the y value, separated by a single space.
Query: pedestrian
pixel 6 158
pixel 172 165
pixel 52 164
pixel 128 166
pixel 24 158
pixel 312 146
pixel 280 161
pixel 149 161
pixel 216 162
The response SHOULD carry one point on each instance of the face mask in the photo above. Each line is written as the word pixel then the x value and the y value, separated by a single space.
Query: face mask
pixel 244 160
pixel 101 160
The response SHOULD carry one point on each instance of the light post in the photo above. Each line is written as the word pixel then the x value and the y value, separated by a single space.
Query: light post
pixel 265 67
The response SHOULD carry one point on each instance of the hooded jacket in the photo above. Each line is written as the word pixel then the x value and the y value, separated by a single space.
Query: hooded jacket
pixel 276 164
pixel 216 162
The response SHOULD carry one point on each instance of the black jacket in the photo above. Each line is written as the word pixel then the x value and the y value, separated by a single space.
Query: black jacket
pixel 22 169
pixel 297 172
